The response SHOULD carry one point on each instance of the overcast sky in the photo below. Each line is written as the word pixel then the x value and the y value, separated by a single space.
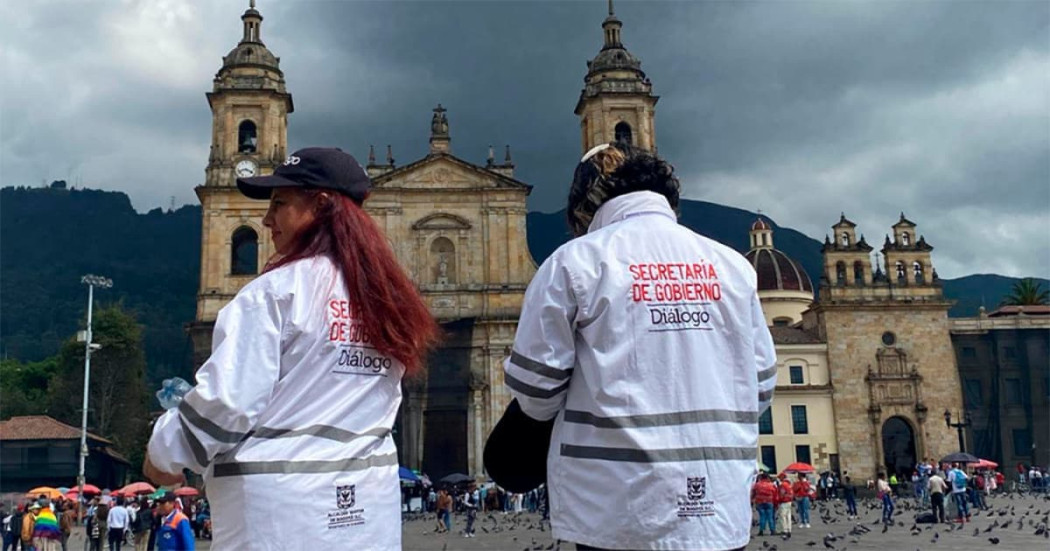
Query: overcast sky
pixel 800 109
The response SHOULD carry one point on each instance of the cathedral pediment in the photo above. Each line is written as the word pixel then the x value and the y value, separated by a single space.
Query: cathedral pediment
pixel 441 221
pixel 444 171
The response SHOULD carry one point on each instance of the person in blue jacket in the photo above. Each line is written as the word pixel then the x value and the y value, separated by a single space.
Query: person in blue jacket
pixel 175 533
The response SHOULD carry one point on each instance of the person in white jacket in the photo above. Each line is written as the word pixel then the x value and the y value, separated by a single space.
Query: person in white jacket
pixel 290 421
pixel 646 344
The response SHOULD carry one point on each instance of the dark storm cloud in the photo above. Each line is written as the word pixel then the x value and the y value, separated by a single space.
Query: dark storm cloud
pixel 803 110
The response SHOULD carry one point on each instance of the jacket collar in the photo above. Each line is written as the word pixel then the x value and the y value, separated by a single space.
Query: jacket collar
pixel 630 204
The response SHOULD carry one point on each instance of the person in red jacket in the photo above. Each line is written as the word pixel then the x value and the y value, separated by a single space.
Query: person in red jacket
pixel 804 494
pixel 764 495
pixel 785 497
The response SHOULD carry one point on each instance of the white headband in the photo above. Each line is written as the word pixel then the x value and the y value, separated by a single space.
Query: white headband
pixel 594 151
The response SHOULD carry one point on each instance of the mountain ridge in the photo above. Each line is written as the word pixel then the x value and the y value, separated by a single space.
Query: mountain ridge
pixel 50 237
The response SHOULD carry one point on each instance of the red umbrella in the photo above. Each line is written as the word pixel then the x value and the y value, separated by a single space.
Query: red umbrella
pixel 799 468
pixel 88 489
pixel 138 488
pixel 985 464
pixel 187 491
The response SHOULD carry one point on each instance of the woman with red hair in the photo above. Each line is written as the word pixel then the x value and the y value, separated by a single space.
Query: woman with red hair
pixel 293 411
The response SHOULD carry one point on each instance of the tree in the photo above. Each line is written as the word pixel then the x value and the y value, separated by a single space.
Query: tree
pixel 118 397
pixel 1027 292
pixel 24 387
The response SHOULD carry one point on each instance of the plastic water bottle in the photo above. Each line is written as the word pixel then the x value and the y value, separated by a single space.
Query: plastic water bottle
pixel 171 392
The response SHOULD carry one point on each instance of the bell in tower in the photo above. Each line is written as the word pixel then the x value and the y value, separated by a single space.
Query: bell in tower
pixel 616 103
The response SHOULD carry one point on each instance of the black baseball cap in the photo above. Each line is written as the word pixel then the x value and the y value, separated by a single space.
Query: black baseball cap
pixel 313 167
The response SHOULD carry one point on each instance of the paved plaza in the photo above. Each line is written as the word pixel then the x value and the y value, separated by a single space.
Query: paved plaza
pixel 1011 521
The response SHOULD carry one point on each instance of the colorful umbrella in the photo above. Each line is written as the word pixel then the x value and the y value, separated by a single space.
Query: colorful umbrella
pixel 187 491
pixel 138 488
pixel 799 468
pixel 88 489
pixel 406 474
pixel 51 493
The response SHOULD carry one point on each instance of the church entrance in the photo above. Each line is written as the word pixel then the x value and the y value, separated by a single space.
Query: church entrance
pixel 898 447
pixel 445 415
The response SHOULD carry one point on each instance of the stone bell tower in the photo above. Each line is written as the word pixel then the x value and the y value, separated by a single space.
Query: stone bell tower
pixel 617 101
pixel 249 137
pixel 892 366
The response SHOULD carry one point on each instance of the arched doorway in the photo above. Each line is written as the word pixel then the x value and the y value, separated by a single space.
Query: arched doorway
pixel 898 447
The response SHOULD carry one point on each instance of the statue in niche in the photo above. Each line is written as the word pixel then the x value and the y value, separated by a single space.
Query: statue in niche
pixel 442 278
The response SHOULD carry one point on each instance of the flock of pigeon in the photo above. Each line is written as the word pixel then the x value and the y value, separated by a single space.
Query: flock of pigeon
pixel 1011 523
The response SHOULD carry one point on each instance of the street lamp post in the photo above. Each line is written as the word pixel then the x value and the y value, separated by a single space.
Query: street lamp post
pixel 91 281
pixel 958 426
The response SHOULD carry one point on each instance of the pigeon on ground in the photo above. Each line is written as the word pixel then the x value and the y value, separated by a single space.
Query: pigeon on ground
pixel 995 541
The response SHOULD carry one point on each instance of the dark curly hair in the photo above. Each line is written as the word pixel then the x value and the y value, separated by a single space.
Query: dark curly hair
pixel 615 171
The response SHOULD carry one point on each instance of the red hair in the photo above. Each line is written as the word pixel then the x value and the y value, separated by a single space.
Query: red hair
pixel 385 298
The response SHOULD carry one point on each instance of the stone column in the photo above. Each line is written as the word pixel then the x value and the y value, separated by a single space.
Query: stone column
pixel 476 442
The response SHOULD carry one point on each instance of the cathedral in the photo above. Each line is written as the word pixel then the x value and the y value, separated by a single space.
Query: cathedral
pixel 862 361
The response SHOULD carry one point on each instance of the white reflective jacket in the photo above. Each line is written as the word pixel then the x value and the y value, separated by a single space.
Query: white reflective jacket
pixel 647 343
pixel 291 419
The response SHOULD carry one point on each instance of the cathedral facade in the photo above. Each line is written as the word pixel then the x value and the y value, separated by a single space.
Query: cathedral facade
pixel 865 356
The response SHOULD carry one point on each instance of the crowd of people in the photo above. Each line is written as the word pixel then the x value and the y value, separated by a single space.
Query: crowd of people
pixel 959 487
pixel 109 523
pixel 472 499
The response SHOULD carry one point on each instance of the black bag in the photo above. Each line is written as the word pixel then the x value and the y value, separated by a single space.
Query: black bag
pixel 516 451
pixel 925 518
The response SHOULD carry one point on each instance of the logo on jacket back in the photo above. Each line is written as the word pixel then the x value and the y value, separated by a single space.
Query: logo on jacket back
pixel 345 515
pixel 345 496
pixel 692 504
pixel 696 487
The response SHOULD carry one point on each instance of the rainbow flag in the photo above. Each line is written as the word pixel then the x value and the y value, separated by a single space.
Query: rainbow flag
pixel 46 525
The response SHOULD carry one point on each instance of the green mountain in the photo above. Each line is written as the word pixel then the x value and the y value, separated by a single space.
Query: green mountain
pixel 50 237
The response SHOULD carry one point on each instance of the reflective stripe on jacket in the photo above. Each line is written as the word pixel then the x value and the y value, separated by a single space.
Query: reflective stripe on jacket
pixel 647 343
pixel 293 406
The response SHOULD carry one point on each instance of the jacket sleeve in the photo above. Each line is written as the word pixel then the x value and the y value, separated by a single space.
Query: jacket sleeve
pixel 185 536
pixel 541 362
pixel 765 355
pixel 233 386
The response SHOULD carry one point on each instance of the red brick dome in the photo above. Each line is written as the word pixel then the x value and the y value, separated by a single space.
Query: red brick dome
pixel 777 271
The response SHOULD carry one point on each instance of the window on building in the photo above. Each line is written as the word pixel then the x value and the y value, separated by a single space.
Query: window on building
pixel 969 352
pixel 1013 392
pixel 1022 442
pixel 901 278
pixel 246 138
pixel 765 422
pixel 858 273
pixel 1009 352
pixel 802 454
pixel 244 252
pixel 799 422
pixel 917 270
pixel 769 458
pixel 845 239
pixel 781 322
pixel 972 389
pixel 623 133
pixel 796 374
pixel 905 239
pixel 840 273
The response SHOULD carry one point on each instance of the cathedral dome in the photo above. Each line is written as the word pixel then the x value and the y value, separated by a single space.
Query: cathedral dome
pixel 778 272
pixel 615 59
pixel 247 54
